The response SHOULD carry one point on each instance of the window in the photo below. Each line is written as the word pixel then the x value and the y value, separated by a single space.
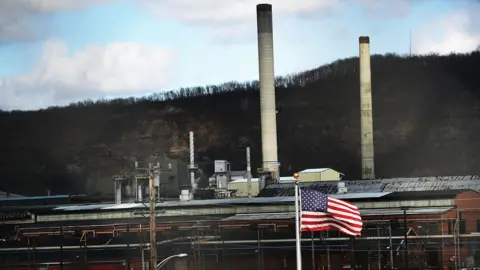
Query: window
pixel 427 228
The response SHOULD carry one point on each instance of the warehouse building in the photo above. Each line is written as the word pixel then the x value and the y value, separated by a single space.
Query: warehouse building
pixel 240 185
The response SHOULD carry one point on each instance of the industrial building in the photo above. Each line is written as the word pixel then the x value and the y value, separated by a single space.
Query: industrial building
pixel 410 223
pixel 240 185
pixel 250 233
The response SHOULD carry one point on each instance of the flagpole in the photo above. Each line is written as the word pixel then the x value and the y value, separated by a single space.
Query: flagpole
pixel 297 222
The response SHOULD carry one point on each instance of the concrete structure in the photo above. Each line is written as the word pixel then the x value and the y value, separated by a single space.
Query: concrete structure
pixel 366 116
pixel 5 195
pixel 267 92
pixel 319 174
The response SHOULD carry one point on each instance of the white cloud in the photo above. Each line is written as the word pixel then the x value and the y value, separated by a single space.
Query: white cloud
pixel 232 11
pixel 61 77
pixel 25 20
pixel 230 18
pixel 454 32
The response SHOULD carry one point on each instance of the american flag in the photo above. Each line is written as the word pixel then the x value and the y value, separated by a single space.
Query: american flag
pixel 320 212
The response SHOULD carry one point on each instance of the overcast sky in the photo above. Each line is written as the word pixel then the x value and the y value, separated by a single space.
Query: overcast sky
pixel 54 52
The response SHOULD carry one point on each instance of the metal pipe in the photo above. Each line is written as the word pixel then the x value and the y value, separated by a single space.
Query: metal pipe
pixel 128 248
pixel 413 237
pixel 142 250
pixel 267 88
pixel 353 264
pixel 61 247
pixel 297 227
pixel 366 119
pixel 379 250
pixel 249 174
pixel 391 244
pixel 193 185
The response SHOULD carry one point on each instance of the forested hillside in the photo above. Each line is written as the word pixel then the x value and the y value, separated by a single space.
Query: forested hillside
pixel 426 122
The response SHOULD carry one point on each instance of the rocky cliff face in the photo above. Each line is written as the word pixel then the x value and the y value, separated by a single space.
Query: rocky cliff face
pixel 426 123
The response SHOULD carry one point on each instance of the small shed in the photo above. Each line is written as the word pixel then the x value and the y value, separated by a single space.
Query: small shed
pixel 319 174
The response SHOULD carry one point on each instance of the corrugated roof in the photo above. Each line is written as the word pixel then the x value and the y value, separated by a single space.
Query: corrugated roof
pixel 382 185
pixel 414 195
pixel 215 202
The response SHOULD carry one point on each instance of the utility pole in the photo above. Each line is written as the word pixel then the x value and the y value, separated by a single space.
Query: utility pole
pixel 153 215
pixel 406 231
pixel 154 171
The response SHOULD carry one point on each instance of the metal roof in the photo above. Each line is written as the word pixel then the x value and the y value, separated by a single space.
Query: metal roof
pixel 314 170
pixel 413 211
pixel 216 202
pixel 382 185
pixel 35 198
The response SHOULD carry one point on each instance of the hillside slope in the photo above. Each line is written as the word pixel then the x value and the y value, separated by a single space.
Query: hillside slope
pixel 426 122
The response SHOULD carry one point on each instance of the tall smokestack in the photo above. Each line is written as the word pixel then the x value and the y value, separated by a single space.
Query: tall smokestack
pixel 366 119
pixel 267 89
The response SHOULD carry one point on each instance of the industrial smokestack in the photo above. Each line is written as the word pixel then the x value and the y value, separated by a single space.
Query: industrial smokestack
pixel 267 90
pixel 366 119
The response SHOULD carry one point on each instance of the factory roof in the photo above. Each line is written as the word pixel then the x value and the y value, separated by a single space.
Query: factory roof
pixel 315 170
pixel 381 185
pixel 235 217
pixel 214 202
pixel 365 196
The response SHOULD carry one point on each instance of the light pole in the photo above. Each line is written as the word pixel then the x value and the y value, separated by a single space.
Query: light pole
pixel 162 263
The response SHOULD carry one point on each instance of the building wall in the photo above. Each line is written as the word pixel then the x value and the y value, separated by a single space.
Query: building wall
pixel 468 209
pixel 319 176
pixel 242 188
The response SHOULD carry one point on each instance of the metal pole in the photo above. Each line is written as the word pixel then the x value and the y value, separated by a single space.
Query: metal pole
pixel 128 247
pixel 456 240
pixel 153 243
pixel 328 253
pixel 379 250
pixel 405 240
pixel 142 249
pixel 249 174
pixel 391 244
pixel 354 263
pixel 61 247
pixel 85 252
pixel 259 262
pixel 297 226
pixel 28 254
pixel 313 251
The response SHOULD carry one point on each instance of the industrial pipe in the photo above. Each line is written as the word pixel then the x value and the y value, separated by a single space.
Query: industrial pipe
pixel 264 241
pixel 445 236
